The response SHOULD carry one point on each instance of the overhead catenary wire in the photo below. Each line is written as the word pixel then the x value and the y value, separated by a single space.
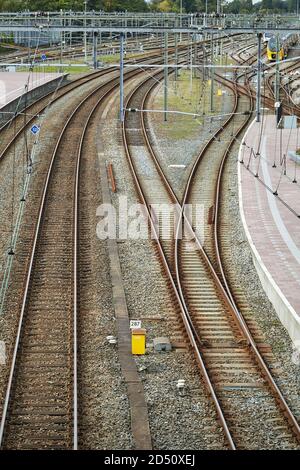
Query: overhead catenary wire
pixel 15 227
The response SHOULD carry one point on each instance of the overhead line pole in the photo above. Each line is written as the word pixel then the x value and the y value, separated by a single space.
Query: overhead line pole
pixel 212 74
pixel 85 37
pixel 176 56
pixel 258 91
pixel 122 77
pixel 278 106
pixel 180 39
pixel 95 47
pixel 166 78
pixel 277 79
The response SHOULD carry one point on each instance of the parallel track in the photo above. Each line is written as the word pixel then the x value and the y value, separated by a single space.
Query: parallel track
pixel 212 321
pixel 213 324
pixel 40 408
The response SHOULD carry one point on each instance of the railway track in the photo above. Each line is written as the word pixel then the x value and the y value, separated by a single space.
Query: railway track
pixel 14 129
pixel 44 372
pixel 40 408
pixel 54 54
pixel 268 95
pixel 33 111
pixel 236 376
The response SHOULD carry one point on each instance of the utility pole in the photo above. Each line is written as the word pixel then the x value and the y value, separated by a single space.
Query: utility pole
pixel 100 34
pixel 278 107
pixel 176 57
pixel 277 78
pixel 85 38
pixel 180 39
pixel 258 94
pixel 166 75
pixel 29 39
pixel 191 65
pixel 122 77
pixel 212 72
pixel 204 71
pixel 221 51
pixel 195 54
pixel 95 44
pixel 70 24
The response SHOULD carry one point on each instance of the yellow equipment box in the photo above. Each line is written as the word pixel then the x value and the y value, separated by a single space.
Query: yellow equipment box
pixel 138 341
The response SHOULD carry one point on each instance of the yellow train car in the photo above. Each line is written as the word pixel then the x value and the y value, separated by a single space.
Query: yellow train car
pixel 278 47
pixel 275 49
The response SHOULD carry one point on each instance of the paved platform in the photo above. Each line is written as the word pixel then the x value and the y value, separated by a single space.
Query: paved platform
pixel 272 226
pixel 12 84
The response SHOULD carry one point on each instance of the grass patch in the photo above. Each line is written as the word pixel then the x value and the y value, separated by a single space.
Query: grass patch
pixel 112 58
pixel 73 69
pixel 189 96
pixel 52 69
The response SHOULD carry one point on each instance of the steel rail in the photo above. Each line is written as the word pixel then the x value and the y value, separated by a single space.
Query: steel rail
pixel 27 283
pixel 86 79
pixel 190 329
pixel 290 109
pixel 75 268
pixel 78 82
pixel 176 201
pixel 23 127
pixel 242 325
pixel 264 368
pixel 220 287
pixel 250 341
pixel 75 264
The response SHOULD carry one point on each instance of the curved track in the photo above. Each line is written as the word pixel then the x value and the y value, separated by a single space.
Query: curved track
pixel 229 360
pixel 40 408
pixel 43 375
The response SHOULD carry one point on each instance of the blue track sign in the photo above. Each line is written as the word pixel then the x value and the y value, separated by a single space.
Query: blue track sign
pixel 35 129
pixel 43 56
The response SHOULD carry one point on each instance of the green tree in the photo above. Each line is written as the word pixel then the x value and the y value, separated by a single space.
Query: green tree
pixel 75 5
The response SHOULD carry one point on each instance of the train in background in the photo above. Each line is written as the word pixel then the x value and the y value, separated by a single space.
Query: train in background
pixel 277 47
pixel 267 37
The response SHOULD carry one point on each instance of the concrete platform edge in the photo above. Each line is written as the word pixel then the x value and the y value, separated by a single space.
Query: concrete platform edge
pixel 31 96
pixel 284 310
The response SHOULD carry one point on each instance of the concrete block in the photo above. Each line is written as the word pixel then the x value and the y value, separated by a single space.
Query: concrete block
pixel 162 343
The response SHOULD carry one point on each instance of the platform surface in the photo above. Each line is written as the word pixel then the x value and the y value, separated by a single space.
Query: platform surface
pixel 12 84
pixel 274 227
